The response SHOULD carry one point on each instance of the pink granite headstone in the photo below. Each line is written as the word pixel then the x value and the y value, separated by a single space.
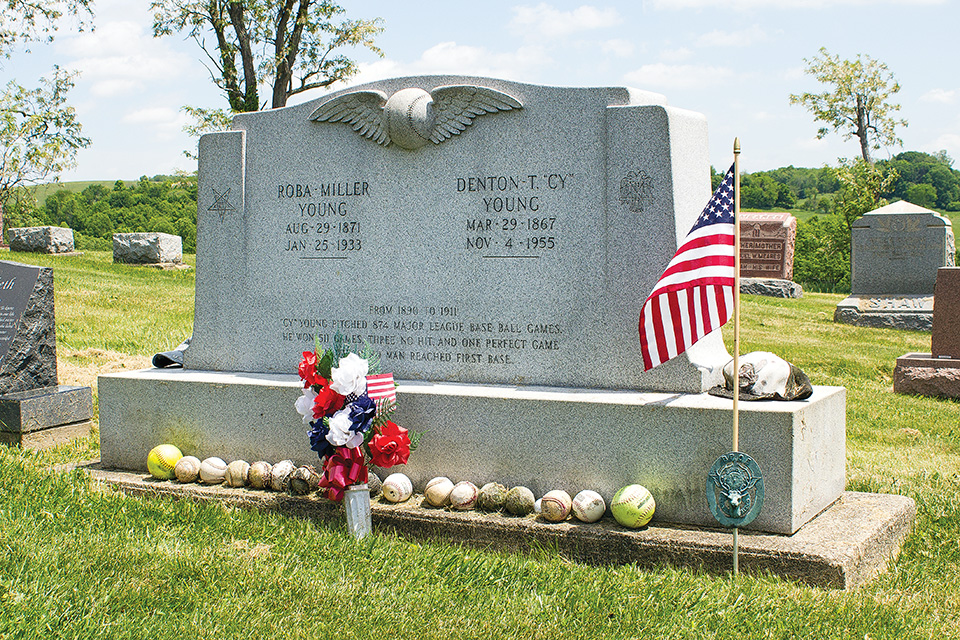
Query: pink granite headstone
pixel 766 245
pixel 945 342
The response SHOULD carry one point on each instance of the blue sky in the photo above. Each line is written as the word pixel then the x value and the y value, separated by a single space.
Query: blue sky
pixel 735 61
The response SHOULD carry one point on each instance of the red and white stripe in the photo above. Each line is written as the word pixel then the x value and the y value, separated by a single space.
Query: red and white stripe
pixel 381 387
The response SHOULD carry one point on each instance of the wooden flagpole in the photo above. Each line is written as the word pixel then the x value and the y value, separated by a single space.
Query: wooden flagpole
pixel 736 326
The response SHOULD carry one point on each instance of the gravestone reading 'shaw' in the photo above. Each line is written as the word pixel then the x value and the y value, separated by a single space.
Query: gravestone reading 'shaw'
pixel 34 410
pixel 494 241
pixel 895 253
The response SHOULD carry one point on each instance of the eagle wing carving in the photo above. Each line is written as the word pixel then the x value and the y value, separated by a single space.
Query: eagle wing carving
pixel 363 110
pixel 455 107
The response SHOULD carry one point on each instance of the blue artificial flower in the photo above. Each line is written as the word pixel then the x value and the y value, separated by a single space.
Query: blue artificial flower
pixel 362 411
pixel 318 439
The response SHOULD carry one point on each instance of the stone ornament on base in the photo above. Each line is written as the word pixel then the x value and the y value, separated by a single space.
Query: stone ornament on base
pixel 936 374
pixel 895 253
pixel 147 248
pixel 35 412
pixel 770 287
pixel 41 239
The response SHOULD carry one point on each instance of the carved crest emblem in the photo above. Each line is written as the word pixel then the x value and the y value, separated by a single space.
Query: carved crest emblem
pixel 411 118
pixel 735 489
pixel 636 188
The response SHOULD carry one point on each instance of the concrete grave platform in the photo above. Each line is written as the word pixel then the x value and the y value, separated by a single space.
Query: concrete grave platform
pixel 43 418
pixel 842 548
pixel 542 437
pixel 909 312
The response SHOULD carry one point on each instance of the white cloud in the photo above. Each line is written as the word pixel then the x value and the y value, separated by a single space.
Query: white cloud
pixel 943 96
pixel 546 21
pixel 119 58
pixel 673 56
pixel 617 47
pixel 948 141
pixel 150 115
pixel 677 76
pixel 742 38
pixel 811 143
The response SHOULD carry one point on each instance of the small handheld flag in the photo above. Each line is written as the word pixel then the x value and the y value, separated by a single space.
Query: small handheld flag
pixel 694 295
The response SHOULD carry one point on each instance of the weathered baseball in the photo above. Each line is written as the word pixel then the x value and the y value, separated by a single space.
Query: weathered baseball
pixel 280 475
pixel 463 496
pixel 633 506
pixel 259 475
pixel 519 501
pixel 213 470
pixel 397 487
pixel 437 491
pixel 555 505
pixel 161 460
pixel 237 473
pixel 304 480
pixel 492 496
pixel 187 469
pixel 588 506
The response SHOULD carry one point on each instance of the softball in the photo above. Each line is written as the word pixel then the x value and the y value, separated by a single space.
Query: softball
pixel 633 506
pixel 555 505
pixel 213 471
pixel 588 506
pixel 161 460
pixel 187 469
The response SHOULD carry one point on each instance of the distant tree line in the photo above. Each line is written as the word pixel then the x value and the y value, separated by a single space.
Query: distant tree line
pixel 165 204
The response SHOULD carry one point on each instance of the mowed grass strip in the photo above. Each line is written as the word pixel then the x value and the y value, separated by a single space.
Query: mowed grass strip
pixel 77 561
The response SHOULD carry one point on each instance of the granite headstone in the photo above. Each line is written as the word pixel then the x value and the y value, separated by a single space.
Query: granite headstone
pixel 767 242
pixel 35 411
pixel 895 253
pixel 494 241
pixel 147 248
pixel 936 373
pixel 41 239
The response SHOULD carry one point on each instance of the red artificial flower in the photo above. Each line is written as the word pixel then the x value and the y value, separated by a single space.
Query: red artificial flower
pixel 344 468
pixel 390 446
pixel 327 401
pixel 308 370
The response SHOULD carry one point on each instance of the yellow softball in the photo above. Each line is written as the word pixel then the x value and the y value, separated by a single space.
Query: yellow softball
pixel 161 460
pixel 633 506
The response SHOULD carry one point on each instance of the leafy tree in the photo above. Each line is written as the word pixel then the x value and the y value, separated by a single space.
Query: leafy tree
pixel 857 103
pixel 291 46
pixel 862 187
pixel 39 134
pixel 25 21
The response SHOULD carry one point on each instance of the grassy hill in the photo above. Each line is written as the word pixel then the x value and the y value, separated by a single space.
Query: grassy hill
pixel 81 562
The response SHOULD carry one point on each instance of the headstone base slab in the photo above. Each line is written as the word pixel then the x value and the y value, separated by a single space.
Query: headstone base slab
pixel 770 287
pixel 40 409
pixel 542 437
pixel 905 312
pixel 47 438
pixel 923 375
pixel 846 545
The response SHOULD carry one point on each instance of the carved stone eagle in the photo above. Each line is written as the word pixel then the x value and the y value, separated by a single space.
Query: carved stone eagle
pixel 412 117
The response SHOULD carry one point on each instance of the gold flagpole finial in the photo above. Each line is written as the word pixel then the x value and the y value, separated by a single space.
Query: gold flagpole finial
pixel 736 146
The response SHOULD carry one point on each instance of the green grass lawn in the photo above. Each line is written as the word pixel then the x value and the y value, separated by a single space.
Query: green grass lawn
pixel 83 562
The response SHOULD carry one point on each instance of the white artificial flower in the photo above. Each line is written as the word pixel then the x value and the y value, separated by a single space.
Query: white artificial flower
pixel 339 425
pixel 350 376
pixel 305 405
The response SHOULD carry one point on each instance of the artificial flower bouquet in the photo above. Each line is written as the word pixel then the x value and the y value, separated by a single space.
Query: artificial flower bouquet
pixel 347 403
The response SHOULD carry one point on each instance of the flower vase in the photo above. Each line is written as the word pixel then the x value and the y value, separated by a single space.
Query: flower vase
pixel 356 502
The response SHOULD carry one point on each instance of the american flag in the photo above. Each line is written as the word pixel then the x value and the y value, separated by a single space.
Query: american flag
pixel 694 295
pixel 381 387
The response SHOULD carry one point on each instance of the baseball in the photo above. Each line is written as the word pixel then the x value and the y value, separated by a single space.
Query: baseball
pixel 633 506
pixel 187 469
pixel 463 496
pixel 237 473
pixel 588 506
pixel 397 487
pixel 161 460
pixel 519 501
pixel 213 471
pixel 437 491
pixel 280 475
pixel 492 496
pixel 555 505
pixel 259 475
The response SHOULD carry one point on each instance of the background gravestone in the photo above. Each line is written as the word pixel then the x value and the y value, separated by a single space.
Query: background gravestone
pixel 767 242
pixel 41 239
pixel 936 373
pixel 35 411
pixel 895 254
pixel 147 248
pixel 498 262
